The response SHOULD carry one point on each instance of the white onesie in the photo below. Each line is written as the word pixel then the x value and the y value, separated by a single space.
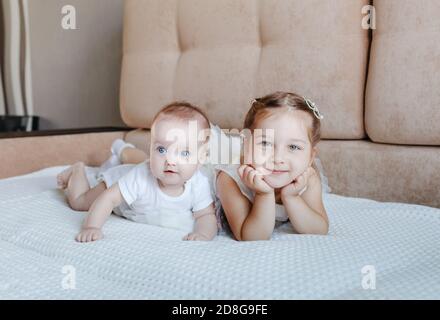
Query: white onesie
pixel 145 202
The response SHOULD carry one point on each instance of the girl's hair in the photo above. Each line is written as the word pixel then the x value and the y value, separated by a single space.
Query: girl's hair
pixel 280 99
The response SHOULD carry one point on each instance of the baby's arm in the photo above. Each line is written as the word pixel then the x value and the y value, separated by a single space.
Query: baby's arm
pixel 100 210
pixel 206 224
pixel 306 212
pixel 247 221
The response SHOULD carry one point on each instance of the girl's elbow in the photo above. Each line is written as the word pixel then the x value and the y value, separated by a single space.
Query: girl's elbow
pixel 316 230
pixel 254 237
pixel 326 227
pixel 324 230
pixel 323 227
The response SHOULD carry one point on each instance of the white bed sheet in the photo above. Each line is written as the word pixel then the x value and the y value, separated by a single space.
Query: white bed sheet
pixel 136 261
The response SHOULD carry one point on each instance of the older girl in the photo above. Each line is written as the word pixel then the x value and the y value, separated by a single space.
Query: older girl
pixel 276 179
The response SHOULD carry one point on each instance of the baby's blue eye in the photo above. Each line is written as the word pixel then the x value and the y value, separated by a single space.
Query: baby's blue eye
pixel 161 150
pixel 185 153
pixel 294 147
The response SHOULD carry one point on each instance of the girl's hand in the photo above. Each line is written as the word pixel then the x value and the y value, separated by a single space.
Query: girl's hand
pixel 293 189
pixel 193 236
pixel 89 234
pixel 254 179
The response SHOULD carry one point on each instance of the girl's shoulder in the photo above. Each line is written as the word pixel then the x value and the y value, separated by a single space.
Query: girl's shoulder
pixel 231 171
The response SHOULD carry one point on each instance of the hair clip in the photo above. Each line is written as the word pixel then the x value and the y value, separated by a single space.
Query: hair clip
pixel 254 104
pixel 314 108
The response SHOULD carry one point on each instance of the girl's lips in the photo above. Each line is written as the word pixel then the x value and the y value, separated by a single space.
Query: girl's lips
pixel 279 171
pixel 266 172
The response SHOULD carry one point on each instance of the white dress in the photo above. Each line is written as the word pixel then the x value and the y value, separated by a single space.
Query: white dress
pixel 223 146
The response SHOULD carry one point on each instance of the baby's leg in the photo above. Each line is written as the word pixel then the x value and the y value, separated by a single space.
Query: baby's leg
pixel 133 156
pixel 79 195
pixel 85 200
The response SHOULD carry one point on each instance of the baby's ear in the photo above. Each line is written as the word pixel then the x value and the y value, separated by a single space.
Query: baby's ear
pixel 203 154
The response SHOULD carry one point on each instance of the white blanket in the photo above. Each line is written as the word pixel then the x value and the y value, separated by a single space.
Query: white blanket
pixel 397 246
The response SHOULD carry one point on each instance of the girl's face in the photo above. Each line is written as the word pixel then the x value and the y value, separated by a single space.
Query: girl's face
pixel 281 146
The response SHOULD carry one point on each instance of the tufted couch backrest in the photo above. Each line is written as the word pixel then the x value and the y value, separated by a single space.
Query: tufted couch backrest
pixel 221 55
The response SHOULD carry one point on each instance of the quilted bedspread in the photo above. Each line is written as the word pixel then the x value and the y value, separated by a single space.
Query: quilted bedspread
pixel 374 250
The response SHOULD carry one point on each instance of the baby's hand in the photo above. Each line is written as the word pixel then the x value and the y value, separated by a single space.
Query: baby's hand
pixel 293 189
pixel 193 236
pixel 254 179
pixel 89 234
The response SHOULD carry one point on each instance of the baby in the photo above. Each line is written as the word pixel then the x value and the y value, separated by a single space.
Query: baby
pixel 167 190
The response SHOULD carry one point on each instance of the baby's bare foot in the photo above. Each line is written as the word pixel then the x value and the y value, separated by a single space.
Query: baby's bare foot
pixel 63 177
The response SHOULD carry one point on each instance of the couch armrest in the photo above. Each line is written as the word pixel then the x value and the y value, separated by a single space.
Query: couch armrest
pixel 23 154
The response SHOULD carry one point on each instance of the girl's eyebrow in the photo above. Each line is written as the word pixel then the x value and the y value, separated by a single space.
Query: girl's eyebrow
pixel 298 140
pixel 264 136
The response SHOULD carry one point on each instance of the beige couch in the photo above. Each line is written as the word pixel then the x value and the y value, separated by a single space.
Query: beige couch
pixel 379 90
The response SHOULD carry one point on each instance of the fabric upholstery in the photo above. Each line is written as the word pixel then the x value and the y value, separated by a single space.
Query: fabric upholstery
pixel 403 96
pixel 382 172
pixel 24 155
pixel 220 55
pixel 140 138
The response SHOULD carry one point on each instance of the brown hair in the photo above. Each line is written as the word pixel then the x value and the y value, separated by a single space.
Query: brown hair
pixel 184 111
pixel 281 99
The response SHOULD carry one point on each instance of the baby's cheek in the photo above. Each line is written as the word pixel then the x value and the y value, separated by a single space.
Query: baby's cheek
pixel 187 171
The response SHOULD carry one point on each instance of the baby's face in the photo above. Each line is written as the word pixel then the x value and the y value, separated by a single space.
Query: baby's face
pixel 174 150
pixel 282 148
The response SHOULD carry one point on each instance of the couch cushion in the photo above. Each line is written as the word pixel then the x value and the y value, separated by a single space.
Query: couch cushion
pixel 360 168
pixel 382 172
pixel 403 96
pixel 222 54
pixel 24 155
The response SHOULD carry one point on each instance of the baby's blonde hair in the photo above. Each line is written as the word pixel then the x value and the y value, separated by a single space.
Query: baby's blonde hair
pixel 183 110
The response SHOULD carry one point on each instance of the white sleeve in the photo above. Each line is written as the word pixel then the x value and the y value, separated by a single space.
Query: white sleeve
pixel 324 180
pixel 202 192
pixel 133 183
